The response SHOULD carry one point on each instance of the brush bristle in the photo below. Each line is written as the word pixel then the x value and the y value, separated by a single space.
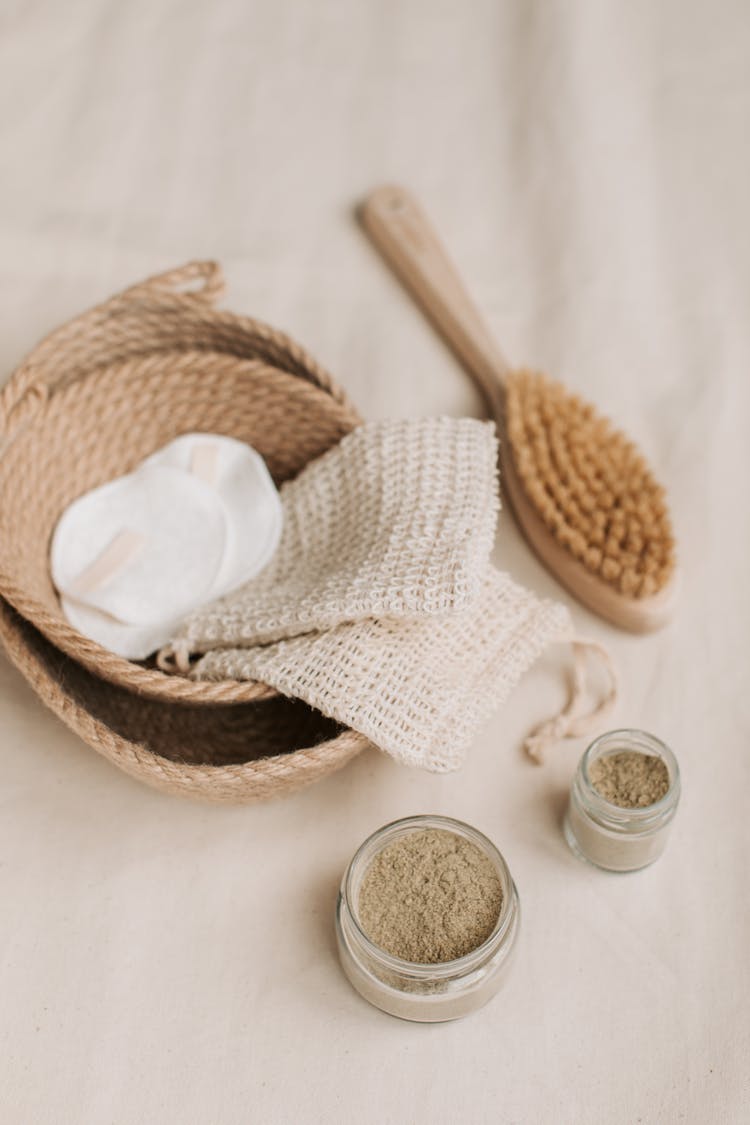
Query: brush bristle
pixel 590 485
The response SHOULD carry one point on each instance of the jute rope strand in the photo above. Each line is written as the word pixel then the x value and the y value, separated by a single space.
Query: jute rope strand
pixel 93 399
pixel 149 317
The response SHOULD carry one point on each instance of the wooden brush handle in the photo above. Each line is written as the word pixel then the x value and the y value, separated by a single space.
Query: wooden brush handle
pixel 401 231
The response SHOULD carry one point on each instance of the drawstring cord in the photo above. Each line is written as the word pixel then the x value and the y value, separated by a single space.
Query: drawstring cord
pixel 175 657
pixel 570 723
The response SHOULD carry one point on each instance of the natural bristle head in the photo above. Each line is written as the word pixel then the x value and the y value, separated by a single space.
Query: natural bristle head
pixel 590 485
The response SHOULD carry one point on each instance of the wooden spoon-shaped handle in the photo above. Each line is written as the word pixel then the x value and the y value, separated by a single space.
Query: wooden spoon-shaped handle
pixel 403 234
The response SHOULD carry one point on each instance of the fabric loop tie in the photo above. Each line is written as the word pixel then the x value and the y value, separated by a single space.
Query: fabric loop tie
pixel 570 722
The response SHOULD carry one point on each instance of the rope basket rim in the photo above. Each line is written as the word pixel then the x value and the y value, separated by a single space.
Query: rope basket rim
pixel 144 679
pixel 24 399
pixel 243 783
pixel 42 645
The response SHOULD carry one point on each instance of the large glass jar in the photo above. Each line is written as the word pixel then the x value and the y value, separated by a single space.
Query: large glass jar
pixel 413 991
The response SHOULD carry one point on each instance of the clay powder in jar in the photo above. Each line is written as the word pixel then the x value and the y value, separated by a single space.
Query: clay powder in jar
pixel 622 801
pixel 430 896
pixel 630 779
pixel 427 918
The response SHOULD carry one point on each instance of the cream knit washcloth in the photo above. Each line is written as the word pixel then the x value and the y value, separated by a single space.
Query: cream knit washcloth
pixel 418 688
pixel 380 608
pixel 398 520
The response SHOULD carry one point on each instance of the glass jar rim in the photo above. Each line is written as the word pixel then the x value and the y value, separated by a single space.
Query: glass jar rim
pixel 437 970
pixel 645 743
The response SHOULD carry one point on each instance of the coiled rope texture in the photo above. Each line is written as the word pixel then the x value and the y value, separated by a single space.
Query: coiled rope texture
pixel 89 403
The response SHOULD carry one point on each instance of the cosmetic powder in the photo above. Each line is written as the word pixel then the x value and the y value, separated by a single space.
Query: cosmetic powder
pixel 622 801
pixel 427 919
pixel 430 896
pixel 629 778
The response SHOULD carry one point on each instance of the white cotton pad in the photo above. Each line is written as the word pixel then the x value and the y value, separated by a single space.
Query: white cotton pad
pixel 134 642
pixel 145 548
pixel 254 514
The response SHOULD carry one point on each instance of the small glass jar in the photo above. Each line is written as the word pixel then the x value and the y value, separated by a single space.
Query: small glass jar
pixel 413 991
pixel 608 835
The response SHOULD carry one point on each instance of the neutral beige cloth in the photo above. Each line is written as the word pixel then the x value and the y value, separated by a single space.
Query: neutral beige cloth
pixel 397 520
pixel 420 687
pixel 383 607
pixel 587 161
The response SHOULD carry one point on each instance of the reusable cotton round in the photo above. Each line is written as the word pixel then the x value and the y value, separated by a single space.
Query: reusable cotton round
pixel 132 558
pixel 134 642
pixel 251 500
pixel 177 527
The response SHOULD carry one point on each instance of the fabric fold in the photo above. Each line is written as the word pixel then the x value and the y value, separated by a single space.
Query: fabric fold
pixel 397 520
pixel 380 608
pixel 417 688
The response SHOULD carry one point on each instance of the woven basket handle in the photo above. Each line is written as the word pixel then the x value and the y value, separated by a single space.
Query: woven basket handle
pixel 203 280
pixel 197 283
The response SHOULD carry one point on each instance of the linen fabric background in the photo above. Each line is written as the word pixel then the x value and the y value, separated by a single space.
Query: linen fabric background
pixel 587 163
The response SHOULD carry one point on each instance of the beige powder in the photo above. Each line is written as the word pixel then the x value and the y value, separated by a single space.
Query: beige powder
pixel 430 896
pixel 629 778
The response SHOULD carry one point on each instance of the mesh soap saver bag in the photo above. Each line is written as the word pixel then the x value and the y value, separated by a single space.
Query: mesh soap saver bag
pixel 381 608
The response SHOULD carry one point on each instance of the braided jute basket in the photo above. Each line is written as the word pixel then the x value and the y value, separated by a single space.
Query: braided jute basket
pixel 92 400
